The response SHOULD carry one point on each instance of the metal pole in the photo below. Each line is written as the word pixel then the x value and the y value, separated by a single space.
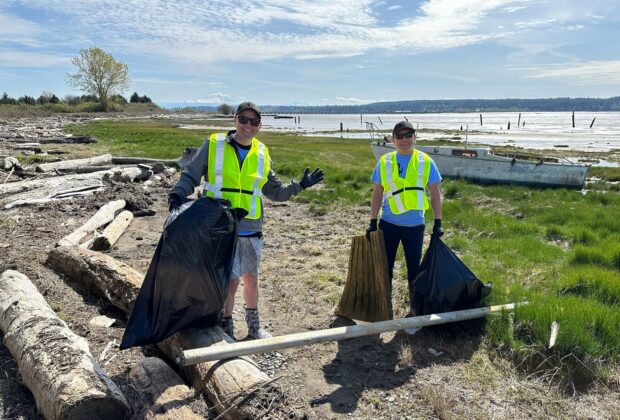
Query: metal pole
pixel 220 352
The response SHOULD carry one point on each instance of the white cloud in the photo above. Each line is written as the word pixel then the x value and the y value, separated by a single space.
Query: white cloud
pixel 12 58
pixel 202 33
pixel 587 73
pixel 395 7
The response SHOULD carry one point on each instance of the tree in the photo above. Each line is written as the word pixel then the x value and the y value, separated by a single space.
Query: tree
pixel 27 100
pixel 99 74
pixel 145 99
pixel 225 109
pixel 7 100
pixel 135 98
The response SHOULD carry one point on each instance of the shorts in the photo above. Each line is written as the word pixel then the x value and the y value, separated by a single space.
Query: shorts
pixel 247 256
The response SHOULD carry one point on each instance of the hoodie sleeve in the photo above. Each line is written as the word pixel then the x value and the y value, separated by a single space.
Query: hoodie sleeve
pixel 193 172
pixel 276 190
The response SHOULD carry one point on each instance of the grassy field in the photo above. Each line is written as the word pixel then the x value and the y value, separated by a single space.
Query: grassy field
pixel 557 249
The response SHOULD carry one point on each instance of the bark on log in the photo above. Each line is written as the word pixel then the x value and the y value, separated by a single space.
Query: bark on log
pixel 89 169
pixel 68 140
pixel 163 394
pixel 103 216
pixel 74 163
pixel 54 363
pixel 113 231
pixel 224 382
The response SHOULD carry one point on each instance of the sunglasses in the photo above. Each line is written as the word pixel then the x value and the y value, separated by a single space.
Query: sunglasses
pixel 244 120
pixel 408 135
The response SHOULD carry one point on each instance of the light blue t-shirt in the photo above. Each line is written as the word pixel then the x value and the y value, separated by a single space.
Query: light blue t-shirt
pixel 410 217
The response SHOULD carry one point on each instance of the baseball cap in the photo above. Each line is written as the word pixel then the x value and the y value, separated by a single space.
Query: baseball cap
pixel 401 125
pixel 248 105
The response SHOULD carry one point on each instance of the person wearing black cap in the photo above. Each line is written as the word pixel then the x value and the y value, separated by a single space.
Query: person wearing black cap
pixel 401 181
pixel 236 166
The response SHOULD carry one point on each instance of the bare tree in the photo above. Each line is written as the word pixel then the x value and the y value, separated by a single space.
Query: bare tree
pixel 225 109
pixel 99 74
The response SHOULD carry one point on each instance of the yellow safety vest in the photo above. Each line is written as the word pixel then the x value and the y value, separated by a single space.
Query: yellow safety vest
pixel 408 193
pixel 241 186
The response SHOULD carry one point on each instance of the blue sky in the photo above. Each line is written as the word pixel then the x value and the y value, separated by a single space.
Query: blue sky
pixel 319 52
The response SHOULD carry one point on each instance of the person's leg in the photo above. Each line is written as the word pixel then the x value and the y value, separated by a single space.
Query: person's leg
pixel 250 261
pixel 229 302
pixel 250 290
pixel 413 239
pixel 391 237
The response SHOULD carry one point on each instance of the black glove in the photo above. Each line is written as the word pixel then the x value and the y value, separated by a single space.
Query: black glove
pixel 309 179
pixel 437 230
pixel 174 201
pixel 372 226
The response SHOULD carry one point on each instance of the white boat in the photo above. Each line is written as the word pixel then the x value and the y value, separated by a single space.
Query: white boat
pixel 480 164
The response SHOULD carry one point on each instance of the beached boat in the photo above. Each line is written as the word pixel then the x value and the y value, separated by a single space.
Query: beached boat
pixel 480 164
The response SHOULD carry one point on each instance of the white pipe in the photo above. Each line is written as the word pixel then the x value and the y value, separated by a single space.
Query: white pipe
pixel 220 352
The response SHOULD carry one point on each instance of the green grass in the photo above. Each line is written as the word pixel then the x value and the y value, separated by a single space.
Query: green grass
pixel 556 248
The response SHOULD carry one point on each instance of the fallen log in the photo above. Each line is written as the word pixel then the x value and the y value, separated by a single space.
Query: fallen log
pixel 54 192
pixel 103 216
pixel 68 140
pixel 128 175
pixel 162 393
pixel 106 239
pixel 48 182
pixel 54 363
pixel 74 163
pixel 89 169
pixel 127 160
pixel 35 147
pixel 224 383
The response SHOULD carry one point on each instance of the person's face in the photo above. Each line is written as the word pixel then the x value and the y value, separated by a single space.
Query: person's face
pixel 247 124
pixel 404 140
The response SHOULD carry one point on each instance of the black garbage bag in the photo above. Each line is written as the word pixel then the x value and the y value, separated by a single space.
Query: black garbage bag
pixel 444 282
pixel 187 280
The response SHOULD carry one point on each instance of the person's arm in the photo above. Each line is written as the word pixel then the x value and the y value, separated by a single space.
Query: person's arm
pixel 276 190
pixel 376 200
pixel 193 172
pixel 435 194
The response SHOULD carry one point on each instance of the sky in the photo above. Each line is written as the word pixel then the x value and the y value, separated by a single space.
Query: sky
pixel 319 52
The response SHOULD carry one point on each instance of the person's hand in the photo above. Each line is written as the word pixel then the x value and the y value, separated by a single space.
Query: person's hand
pixel 437 230
pixel 309 179
pixel 372 226
pixel 174 201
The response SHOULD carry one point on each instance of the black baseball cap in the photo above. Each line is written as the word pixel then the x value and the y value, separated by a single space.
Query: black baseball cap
pixel 402 125
pixel 248 105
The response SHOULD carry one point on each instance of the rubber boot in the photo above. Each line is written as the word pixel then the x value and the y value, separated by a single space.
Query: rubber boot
pixel 227 325
pixel 253 320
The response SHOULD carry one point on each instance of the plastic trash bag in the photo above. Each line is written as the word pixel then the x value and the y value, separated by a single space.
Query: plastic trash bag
pixel 444 283
pixel 188 278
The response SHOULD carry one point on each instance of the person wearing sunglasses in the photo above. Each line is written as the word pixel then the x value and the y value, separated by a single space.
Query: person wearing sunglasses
pixel 401 181
pixel 237 167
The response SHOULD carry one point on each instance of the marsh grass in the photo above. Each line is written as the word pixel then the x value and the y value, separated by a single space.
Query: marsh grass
pixel 557 249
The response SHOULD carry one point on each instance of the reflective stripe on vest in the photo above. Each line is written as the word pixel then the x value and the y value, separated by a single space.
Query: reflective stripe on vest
pixel 241 186
pixel 407 193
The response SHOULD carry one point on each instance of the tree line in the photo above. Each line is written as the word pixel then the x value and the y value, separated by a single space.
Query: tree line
pixel 50 98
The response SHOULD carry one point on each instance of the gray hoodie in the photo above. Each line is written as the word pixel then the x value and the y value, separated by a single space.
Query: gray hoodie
pixel 196 169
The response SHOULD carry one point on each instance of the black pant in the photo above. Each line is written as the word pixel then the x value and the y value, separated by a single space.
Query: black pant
pixel 412 238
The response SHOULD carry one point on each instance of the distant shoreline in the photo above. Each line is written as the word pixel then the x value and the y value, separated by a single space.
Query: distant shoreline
pixel 441 106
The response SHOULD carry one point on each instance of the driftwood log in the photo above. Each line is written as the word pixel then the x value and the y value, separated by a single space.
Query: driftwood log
pixel 162 393
pixel 224 382
pixel 103 216
pixel 106 239
pixel 54 192
pixel 54 363
pixel 74 163
pixel 127 160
